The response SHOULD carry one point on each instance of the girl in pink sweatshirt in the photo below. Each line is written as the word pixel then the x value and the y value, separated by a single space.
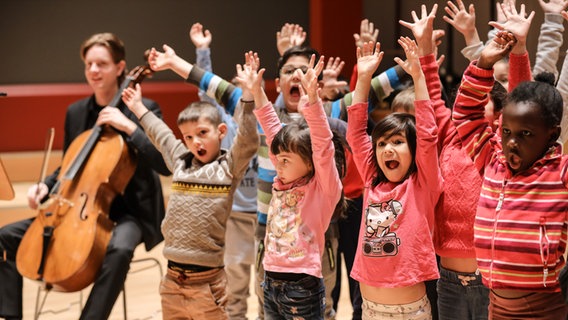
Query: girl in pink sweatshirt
pixel 399 167
pixel 305 194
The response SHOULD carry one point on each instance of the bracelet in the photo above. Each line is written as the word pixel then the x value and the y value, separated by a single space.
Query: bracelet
pixel 247 101
pixel 145 113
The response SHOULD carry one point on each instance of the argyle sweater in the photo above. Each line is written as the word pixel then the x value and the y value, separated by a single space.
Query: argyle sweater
pixel 520 226
pixel 202 194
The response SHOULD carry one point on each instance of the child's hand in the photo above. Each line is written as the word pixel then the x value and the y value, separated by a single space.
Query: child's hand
pixel 516 22
pixel 289 35
pixel 437 36
pixel 422 29
pixel 201 39
pixel 159 61
pixel 463 21
pixel 496 50
pixel 501 18
pixel 367 33
pixel 330 85
pixel 248 75
pixel 565 14
pixel 412 63
pixel 553 6
pixel 309 80
pixel 132 97
pixel 369 57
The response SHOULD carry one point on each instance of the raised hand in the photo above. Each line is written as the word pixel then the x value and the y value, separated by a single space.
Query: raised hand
pixel 248 75
pixel 501 18
pixel 412 63
pixel 462 20
pixel 495 50
pixel 132 96
pixel 564 14
pixel 369 57
pixel 159 61
pixel 289 35
pixel 250 78
pixel 422 29
pixel 201 39
pixel 330 85
pixel 412 66
pixel 309 81
pixel 517 22
pixel 298 35
pixel 367 33
pixel 553 6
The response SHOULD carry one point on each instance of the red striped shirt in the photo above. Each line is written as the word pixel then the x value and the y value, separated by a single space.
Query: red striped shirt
pixel 520 226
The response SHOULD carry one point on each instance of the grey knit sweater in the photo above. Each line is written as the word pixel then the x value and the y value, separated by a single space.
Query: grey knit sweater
pixel 202 194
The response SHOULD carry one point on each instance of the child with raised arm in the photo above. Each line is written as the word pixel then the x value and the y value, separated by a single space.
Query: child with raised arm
pixel 461 293
pixel 305 193
pixel 227 94
pixel 239 238
pixel 520 226
pixel 403 183
pixel 205 178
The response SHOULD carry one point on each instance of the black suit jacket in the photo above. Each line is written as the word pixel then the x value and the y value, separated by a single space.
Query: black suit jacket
pixel 142 197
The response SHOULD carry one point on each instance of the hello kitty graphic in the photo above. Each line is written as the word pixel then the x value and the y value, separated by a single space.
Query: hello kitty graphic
pixel 379 240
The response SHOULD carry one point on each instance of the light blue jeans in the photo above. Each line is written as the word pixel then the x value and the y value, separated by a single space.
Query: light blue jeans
pixel 461 296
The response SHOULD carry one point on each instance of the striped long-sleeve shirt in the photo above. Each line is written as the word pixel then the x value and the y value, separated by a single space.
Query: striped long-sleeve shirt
pixel 520 226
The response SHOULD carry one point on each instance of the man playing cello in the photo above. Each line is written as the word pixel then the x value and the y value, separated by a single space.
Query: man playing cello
pixel 136 214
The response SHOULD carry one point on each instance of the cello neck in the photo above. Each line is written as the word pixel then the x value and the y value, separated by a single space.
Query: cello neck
pixel 135 76
pixel 118 96
pixel 83 155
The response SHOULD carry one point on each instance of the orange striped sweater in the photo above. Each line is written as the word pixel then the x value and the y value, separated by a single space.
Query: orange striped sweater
pixel 520 227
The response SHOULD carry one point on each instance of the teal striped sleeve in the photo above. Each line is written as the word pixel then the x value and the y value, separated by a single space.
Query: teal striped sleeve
pixel 382 86
pixel 224 92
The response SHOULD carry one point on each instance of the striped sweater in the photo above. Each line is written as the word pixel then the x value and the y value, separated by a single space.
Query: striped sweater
pixel 520 227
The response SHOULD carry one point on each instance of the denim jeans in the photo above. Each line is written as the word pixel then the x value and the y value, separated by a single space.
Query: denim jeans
pixel 462 296
pixel 304 298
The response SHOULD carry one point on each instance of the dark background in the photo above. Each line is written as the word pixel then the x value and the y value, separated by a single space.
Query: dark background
pixel 41 70
pixel 41 38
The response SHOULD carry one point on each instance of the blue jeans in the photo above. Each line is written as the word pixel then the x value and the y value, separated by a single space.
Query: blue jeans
pixel 462 296
pixel 304 298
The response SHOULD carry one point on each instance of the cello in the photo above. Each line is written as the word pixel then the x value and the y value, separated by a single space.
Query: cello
pixel 65 245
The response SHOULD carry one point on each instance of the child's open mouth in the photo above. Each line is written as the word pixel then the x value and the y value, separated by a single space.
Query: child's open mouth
pixel 392 164
pixel 201 152
pixel 295 91
pixel 514 161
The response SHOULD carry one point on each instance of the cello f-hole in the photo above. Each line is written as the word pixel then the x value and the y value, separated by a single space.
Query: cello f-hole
pixel 83 213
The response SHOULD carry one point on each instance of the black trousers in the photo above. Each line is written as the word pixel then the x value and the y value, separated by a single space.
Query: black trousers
pixel 348 239
pixel 125 237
